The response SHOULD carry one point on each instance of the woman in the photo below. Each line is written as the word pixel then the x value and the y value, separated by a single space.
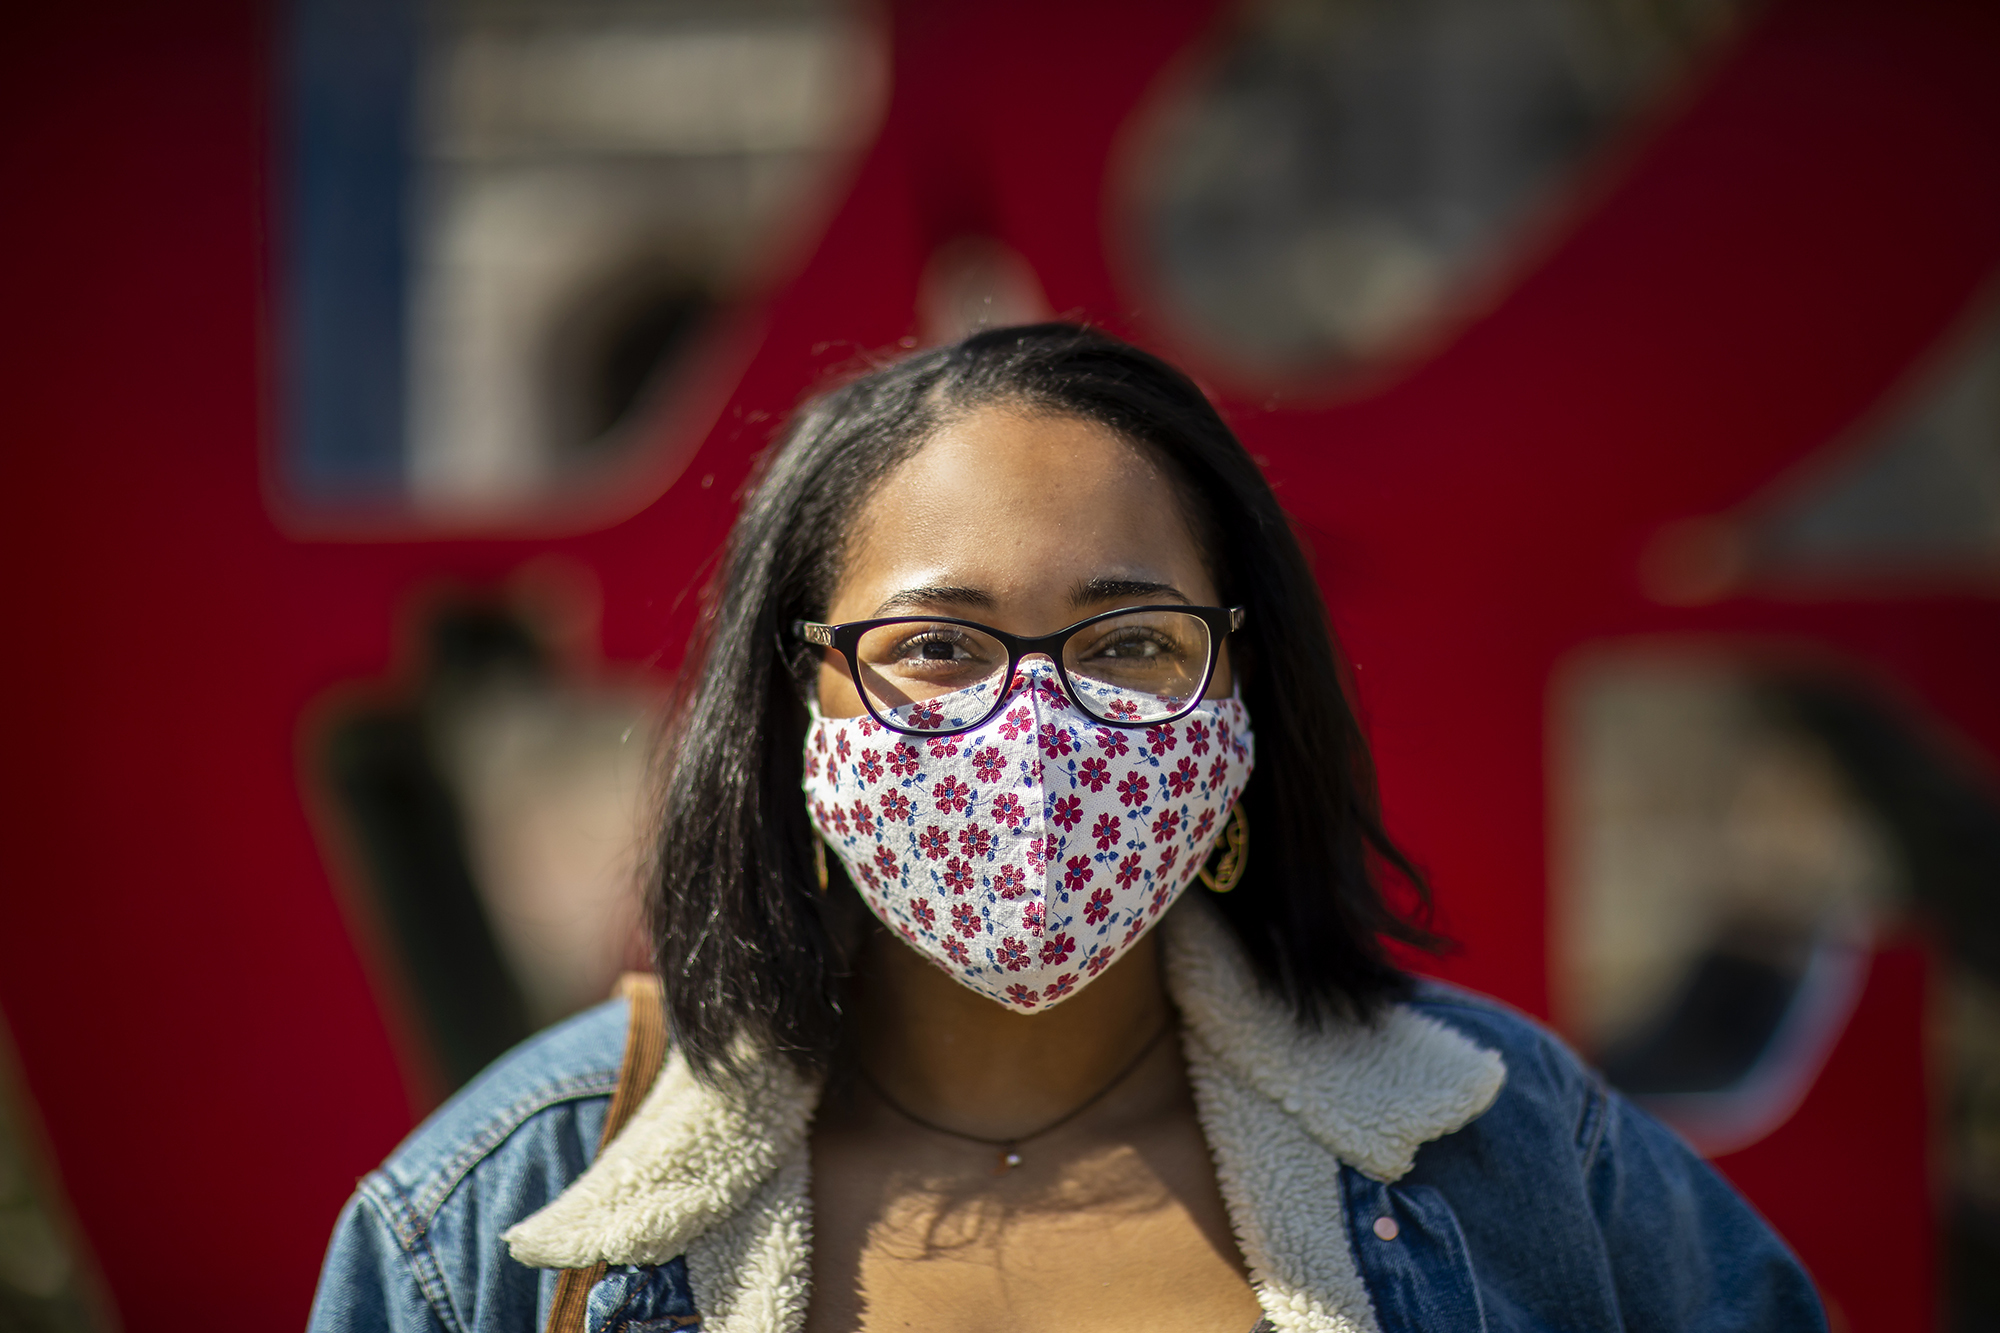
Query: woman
pixel 1011 651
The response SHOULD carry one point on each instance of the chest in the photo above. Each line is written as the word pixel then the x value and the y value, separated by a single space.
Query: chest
pixel 1098 1235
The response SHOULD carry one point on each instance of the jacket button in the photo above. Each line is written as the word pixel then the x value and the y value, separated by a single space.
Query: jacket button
pixel 1386 1228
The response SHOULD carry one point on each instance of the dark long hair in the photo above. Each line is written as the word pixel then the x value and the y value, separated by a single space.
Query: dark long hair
pixel 745 943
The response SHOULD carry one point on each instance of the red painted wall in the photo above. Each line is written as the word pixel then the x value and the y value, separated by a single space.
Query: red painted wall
pixel 191 1010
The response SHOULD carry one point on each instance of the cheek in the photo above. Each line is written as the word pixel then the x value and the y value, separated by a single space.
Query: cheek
pixel 1224 680
pixel 837 695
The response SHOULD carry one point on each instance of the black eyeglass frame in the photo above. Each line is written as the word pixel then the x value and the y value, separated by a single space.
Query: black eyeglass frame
pixel 845 639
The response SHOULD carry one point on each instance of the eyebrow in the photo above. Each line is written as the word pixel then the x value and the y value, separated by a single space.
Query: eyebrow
pixel 1111 590
pixel 916 599
pixel 1083 593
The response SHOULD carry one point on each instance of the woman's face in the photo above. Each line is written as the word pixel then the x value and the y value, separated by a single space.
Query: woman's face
pixel 1024 522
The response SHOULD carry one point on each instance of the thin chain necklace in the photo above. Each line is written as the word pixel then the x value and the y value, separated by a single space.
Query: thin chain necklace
pixel 1008 1148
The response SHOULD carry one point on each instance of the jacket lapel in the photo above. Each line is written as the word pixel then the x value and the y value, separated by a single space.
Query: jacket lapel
pixel 721 1174
pixel 1283 1108
pixel 718 1173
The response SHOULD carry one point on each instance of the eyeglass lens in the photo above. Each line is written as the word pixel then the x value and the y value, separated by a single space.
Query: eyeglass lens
pixel 926 675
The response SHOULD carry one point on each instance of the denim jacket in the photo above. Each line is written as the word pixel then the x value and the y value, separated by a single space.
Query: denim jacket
pixel 1449 1167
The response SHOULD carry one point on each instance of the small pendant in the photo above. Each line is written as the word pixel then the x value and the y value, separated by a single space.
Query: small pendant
pixel 1009 1159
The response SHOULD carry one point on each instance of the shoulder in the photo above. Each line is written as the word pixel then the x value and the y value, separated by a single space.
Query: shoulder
pixel 1628 1218
pixel 536 1091
pixel 426 1223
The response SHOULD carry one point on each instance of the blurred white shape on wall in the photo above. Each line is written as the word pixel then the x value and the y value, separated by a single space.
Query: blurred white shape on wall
pixel 601 182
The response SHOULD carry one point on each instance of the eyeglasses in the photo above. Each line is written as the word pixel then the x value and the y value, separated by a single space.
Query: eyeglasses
pixel 936 676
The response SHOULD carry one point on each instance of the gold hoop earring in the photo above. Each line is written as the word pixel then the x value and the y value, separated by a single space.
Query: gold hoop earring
pixel 1235 854
pixel 819 863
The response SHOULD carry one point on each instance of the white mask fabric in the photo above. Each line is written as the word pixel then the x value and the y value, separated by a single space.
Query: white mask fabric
pixel 1022 857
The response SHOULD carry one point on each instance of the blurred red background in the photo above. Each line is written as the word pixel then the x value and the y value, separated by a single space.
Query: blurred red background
pixel 1748 280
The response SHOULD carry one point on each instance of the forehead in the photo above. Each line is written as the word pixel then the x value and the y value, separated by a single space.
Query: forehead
pixel 1004 499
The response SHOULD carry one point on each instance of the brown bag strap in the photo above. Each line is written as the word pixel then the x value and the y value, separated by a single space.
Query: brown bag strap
pixel 645 1052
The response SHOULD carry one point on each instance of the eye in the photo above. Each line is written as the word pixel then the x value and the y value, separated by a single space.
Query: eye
pixel 1133 642
pixel 939 644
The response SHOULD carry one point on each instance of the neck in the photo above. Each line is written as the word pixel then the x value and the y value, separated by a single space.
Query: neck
pixel 963 1062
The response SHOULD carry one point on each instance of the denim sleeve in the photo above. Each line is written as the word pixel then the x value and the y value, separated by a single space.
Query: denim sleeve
pixel 1686 1251
pixel 367 1284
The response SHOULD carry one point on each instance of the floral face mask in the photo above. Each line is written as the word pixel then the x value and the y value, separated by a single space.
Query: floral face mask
pixel 1025 856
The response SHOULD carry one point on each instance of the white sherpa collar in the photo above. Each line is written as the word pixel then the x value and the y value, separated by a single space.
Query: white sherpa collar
pixel 1371 1094
pixel 720 1174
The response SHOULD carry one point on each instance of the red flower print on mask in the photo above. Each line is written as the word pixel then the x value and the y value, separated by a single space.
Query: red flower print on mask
pixel 870 878
pixel 1112 742
pixel 904 759
pixel 933 843
pixel 1066 812
pixel 1021 995
pixel 952 796
pixel 1031 918
pixel 943 747
pixel 895 807
pixel 1132 788
pixel 840 820
pixel 1007 810
pixel 926 917
pixel 1051 693
pixel 1202 825
pixel 1218 770
pixel 1098 907
pixel 989 764
pixel 1167 859
pixel 1009 882
pixel 1094 961
pixel 1060 987
pixel 819 741
pixel 1128 871
pixel 1181 781
pixel 926 716
pixel 957 875
pixel 1166 826
pixel 1197 736
pixel 1105 830
pixel 871 765
pixel 1162 895
pixel 964 919
pixel 841 748
pixel 812 766
pixel 1161 738
pixel 1011 954
pixel 954 949
pixel 1016 725
pixel 1076 873
pixel 867 726
pixel 1037 861
pixel 886 861
pixel 1123 708
pixel 1056 952
pixel 1054 740
pixel 864 819
pixel 1094 774
pixel 1222 733
pixel 975 842
pixel 1134 931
